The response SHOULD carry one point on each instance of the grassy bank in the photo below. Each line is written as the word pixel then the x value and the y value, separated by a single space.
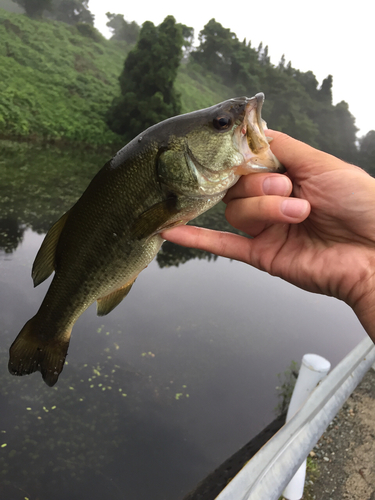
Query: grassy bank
pixel 56 80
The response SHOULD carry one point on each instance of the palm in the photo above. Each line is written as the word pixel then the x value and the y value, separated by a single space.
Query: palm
pixel 324 253
pixel 329 250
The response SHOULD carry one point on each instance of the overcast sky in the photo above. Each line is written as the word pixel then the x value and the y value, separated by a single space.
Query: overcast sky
pixel 324 36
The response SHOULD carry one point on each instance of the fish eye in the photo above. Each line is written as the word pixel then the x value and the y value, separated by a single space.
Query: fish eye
pixel 222 122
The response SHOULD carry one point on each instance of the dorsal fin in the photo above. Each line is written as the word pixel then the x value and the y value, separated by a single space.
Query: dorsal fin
pixel 44 263
pixel 107 303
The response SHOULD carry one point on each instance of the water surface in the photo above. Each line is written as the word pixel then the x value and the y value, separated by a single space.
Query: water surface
pixel 162 390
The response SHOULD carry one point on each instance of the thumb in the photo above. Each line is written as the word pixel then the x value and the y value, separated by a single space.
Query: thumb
pixel 299 158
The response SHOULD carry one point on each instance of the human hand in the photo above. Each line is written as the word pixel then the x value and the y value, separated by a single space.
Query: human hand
pixel 321 240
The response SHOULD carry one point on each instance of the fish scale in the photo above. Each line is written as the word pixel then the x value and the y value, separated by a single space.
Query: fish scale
pixel 167 176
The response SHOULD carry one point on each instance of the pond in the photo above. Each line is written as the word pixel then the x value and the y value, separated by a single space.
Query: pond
pixel 161 391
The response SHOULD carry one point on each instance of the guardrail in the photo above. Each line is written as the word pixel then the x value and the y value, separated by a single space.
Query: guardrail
pixel 266 475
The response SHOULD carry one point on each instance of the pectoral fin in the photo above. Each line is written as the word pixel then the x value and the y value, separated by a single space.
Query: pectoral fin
pixel 44 263
pixel 106 304
pixel 155 218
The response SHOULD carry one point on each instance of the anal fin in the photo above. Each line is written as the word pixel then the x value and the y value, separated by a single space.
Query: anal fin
pixel 107 303
pixel 44 263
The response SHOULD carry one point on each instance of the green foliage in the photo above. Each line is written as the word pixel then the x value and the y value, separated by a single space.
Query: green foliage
pixel 294 105
pixel 147 81
pixel 263 57
pixel 71 11
pixel 56 84
pixel 35 8
pixel 58 81
pixel 312 475
pixel 39 183
pixel 188 36
pixel 199 90
pixel 122 29
pixel 325 91
pixel 222 53
pixel 337 131
pixel 216 48
pixel 367 152
pixel 88 30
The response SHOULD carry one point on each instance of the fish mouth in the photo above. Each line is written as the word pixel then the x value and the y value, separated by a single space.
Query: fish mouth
pixel 254 145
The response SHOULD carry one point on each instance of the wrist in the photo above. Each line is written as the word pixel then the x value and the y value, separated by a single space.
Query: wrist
pixel 364 309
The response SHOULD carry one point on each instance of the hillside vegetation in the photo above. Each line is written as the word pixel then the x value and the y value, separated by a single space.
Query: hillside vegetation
pixel 58 81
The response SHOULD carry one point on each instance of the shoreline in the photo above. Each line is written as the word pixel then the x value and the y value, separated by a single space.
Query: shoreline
pixel 340 466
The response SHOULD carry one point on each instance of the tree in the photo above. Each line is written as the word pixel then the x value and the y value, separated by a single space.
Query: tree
pixel 188 36
pixel 325 91
pixel 71 11
pixel 35 8
pixel 122 29
pixel 147 81
pixel 337 130
pixel 263 56
pixel 309 82
pixel 215 48
pixel 220 52
pixel 346 132
pixel 367 152
pixel 288 104
pixel 282 62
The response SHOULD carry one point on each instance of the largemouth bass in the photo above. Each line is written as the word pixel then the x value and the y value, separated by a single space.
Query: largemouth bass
pixel 165 177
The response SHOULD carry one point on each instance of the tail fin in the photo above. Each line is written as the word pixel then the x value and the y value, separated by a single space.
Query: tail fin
pixel 32 351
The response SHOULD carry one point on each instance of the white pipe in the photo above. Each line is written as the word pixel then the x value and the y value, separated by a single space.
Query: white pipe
pixel 313 369
pixel 266 475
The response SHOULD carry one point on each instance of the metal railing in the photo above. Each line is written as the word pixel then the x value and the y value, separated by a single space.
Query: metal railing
pixel 266 475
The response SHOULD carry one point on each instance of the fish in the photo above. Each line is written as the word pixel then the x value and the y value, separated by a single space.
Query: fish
pixel 165 177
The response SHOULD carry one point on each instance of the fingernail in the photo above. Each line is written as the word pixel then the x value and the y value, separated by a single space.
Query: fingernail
pixel 276 184
pixel 294 207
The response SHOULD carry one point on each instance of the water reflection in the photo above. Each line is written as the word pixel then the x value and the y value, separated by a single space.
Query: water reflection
pixel 174 255
pixel 11 233
pixel 161 391
pixel 39 184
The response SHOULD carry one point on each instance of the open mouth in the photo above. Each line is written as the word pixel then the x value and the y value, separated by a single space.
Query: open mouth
pixel 254 144
pixel 256 137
